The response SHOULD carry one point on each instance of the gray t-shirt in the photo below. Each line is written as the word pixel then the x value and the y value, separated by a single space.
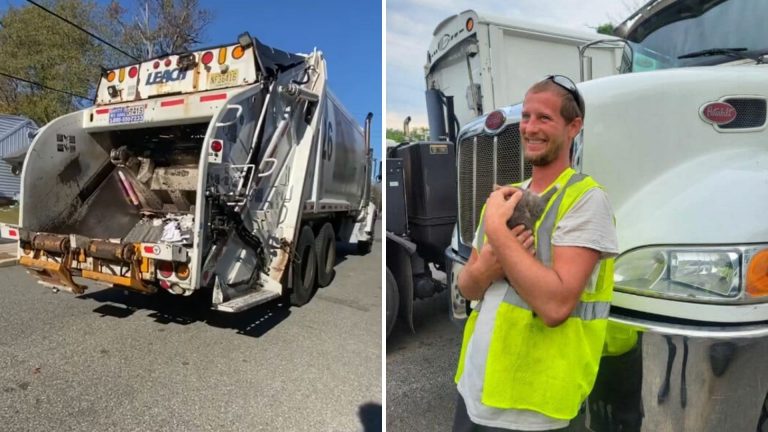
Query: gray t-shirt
pixel 589 223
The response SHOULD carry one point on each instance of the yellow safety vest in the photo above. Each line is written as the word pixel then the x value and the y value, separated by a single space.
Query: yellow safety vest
pixel 530 366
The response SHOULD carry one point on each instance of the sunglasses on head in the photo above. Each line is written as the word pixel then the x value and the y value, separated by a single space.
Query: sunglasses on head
pixel 570 87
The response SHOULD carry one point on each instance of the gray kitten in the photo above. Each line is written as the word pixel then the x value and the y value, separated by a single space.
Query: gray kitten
pixel 529 209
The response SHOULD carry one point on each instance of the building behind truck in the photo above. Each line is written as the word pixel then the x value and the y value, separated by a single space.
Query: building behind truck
pixel 232 168
pixel 679 145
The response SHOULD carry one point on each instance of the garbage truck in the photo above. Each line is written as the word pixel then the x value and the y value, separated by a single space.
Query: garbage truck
pixel 678 143
pixel 232 168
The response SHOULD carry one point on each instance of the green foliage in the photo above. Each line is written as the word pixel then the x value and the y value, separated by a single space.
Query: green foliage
pixel 606 29
pixel 395 135
pixel 39 47
pixel 415 134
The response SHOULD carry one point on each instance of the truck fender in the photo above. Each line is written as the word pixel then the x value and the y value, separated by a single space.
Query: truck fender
pixel 399 262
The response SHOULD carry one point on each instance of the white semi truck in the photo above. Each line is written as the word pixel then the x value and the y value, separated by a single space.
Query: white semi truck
pixel 231 168
pixel 679 145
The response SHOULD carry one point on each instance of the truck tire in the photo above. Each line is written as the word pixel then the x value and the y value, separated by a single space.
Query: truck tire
pixel 304 268
pixel 393 301
pixel 325 247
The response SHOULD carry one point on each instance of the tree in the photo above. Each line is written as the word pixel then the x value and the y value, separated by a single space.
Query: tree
pixel 160 26
pixel 39 47
pixel 606 29
pixel 395 135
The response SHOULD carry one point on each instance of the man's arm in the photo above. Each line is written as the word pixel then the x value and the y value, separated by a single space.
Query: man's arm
pixel 483 268
pixel 551 292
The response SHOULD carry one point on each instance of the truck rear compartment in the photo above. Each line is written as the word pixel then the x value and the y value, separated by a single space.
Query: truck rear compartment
pixel 146 192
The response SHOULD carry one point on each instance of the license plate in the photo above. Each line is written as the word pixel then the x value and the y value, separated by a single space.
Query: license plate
pixel 227 79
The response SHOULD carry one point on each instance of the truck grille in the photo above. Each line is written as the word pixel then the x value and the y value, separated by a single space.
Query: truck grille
pixel 751 113
pixel 485 160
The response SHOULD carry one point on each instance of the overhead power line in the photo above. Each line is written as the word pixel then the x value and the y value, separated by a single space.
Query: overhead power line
pixel 43 86
pixel 83 30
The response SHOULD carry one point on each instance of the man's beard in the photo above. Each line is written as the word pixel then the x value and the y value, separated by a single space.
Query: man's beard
pixel 547 157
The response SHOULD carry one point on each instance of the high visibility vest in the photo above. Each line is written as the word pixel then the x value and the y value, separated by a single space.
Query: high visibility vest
pixel 530 366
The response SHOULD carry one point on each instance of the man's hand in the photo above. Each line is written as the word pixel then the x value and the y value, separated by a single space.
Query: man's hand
pixel 499 208
pixel 525 238
pixel 481 271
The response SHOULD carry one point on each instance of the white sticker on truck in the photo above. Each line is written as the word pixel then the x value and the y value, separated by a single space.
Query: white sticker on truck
pixel 131 114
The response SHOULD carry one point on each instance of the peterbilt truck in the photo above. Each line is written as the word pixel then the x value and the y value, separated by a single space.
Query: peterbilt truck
pixel 460 71
pixel 678 142
pixel 232 168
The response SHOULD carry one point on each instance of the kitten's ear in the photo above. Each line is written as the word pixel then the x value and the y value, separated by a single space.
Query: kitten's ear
pixel 547 196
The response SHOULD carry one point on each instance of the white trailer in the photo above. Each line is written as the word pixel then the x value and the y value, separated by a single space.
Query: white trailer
pixel 232 168
pixel 484 62
pixel 680 149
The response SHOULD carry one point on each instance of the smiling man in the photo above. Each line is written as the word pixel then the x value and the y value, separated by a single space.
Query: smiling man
pixel 532 345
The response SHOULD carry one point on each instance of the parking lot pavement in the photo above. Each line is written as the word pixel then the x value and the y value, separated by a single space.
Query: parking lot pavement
pixel 420 369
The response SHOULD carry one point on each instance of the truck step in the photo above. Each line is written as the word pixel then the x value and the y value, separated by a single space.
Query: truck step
pixel 247 301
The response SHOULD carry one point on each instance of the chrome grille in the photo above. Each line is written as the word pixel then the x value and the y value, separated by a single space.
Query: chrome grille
pixel 484 160
pixel 750 113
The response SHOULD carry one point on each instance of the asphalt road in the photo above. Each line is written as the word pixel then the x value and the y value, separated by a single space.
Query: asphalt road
pixel 420 369
pixel 116 361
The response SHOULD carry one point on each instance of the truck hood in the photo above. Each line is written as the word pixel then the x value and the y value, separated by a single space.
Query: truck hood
pixel 672 177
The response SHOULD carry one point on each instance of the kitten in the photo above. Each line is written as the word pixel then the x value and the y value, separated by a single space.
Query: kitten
pixel 529 209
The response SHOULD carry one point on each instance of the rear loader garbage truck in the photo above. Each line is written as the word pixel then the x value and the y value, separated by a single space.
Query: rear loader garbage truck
pixel 232 168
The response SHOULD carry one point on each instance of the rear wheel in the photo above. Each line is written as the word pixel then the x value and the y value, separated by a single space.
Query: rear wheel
pixel 393 301
pixel 304 268
pixel 325 247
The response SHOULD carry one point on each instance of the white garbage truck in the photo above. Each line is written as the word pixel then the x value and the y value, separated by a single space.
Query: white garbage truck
pixel 232 168
pixel 679 144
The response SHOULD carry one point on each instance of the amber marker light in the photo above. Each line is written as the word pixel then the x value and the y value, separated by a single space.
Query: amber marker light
pixel 237 52
pixel 111 76
pixel 182 271
pixel 757 274
pixel 470 24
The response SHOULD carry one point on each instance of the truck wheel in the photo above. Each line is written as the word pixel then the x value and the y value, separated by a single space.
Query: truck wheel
pixel 325 247
pixel 393 301
pixel 304 269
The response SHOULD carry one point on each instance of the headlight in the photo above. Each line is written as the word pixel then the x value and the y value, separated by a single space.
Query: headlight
pixel 701 274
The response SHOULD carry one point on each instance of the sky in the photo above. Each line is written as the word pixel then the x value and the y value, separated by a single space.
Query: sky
pixel 348 32
pixel 410 24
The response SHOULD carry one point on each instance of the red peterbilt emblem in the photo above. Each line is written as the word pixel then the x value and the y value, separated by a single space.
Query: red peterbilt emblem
pixel 719 113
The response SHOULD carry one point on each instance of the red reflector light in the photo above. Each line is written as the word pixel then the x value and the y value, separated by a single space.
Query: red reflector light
pixel 207 57
pixel 172 102
pixel 132 72
pixel 165 268
pixel 13 233
pixel 216 146
pixel 167 62
pixel 156 64
pixel 209 98
pixel 149 250
pixel 102 111
pixel 495 120
pixel 165 284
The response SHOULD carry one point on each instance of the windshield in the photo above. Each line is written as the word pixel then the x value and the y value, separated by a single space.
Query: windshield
pixel 687 27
